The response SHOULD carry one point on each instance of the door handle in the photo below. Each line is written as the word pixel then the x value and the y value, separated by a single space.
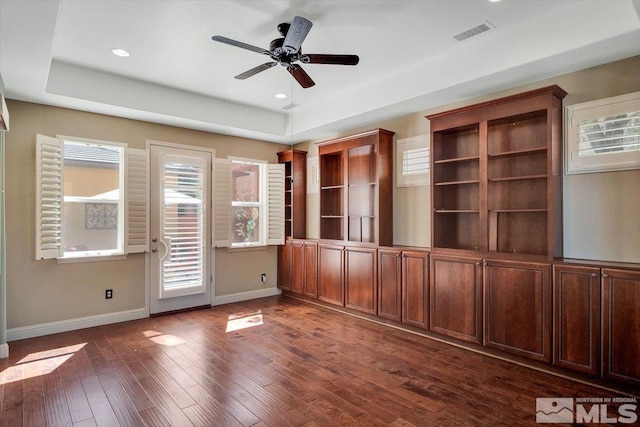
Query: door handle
pixel 167 248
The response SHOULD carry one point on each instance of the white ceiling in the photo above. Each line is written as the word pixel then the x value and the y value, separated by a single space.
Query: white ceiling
pixel 59 53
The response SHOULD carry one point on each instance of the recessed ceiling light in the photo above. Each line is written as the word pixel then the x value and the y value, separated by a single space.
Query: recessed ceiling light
pixel 120 52
pixel 280 95
pixel 494 1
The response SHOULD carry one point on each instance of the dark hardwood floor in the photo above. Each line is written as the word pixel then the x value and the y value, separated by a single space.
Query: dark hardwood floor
pixel 288 363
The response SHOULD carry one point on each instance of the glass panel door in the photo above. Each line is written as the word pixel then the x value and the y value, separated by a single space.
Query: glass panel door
pixel 179 276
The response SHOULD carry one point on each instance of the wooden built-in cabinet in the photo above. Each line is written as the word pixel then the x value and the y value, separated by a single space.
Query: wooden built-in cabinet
pixel 284 266
pixel 456 297
pixel 295 192
pixel 576 317
pixel 297 267
pixel 310 269
pixel 331 273
pixel 361 279
pixel 517 308
pixel 497 175
pixel 494 275
pixel 390 284
pixel 621 325
pixel 356 188
pixel 415 288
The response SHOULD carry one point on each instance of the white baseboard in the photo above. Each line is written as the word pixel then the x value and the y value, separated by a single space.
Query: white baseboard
pixel 244 296
pixel 23 332
pixel 4 351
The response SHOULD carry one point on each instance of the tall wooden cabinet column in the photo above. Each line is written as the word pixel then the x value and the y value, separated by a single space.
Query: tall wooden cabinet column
pixel 295 219
pixel 496 195
pixel 356 188
pixel 295 204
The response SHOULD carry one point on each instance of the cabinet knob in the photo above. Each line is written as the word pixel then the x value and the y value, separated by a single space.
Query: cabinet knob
pixel 477 263
pixel 476 248
pixel 514 251
pixel 594 275
pixel 605 275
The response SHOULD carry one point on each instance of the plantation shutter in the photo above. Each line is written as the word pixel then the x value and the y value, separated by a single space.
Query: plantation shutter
pixel 222 203
pixel 275 202
pixel 49 197
pixel 137 196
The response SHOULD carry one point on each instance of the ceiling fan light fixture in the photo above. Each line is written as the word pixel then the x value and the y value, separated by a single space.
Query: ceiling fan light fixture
pixel 280 95
pixel 120 52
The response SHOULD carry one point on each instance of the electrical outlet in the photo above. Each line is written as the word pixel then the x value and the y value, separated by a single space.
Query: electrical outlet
pixel 264 278
pixel 108 294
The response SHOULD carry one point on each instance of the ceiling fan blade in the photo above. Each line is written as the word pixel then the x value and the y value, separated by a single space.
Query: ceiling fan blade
pixel 255 70
pixel 298 31
pixel 330 59
pixel 236 43
pixel 300 75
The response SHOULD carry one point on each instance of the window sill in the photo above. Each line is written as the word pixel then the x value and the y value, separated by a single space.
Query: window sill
pixel 247 248
pixel 91 258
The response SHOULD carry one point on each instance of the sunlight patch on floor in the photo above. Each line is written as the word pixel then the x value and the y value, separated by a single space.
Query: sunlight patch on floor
pixel 244 320
pixel 39 363
pixel 163 339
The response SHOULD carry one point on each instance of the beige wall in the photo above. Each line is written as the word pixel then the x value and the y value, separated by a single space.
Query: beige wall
pixel 45 291
pixel 601 211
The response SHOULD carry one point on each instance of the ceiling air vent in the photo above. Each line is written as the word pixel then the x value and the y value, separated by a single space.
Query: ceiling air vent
pixel 472 32
pixel 290 106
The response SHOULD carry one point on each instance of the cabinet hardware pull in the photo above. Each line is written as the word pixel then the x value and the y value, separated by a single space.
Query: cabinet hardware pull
pixel 477 263
pixel 605 275
pixel 594 275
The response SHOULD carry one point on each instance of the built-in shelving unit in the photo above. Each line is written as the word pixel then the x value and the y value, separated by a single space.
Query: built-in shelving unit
pixel 295 192
pixel 497 175
pixel 355 188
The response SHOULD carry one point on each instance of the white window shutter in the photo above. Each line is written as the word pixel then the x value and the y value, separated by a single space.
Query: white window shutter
pixel 275 183
pixel 137 197
pixel 49 197
pixel 222 203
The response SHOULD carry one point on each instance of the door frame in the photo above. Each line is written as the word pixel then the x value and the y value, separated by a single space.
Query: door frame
pixel 211 218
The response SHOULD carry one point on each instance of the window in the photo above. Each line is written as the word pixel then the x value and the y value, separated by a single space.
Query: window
pixel 91 198
pixel 249 203
pixel 603 135
pixel 412 161
pixel 93 208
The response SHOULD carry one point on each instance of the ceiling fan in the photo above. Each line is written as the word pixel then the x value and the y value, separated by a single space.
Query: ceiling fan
pixel 287 50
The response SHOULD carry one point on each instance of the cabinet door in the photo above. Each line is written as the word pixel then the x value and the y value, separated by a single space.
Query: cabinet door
pixel 517 308
pixel 389 284
pixel 331 274
pixel 284 266
pixel 297 266
pixel 361 279
pixel 576 318
pixel 415 278
pixel 621 325
pixel 456 297
pixel 311 269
